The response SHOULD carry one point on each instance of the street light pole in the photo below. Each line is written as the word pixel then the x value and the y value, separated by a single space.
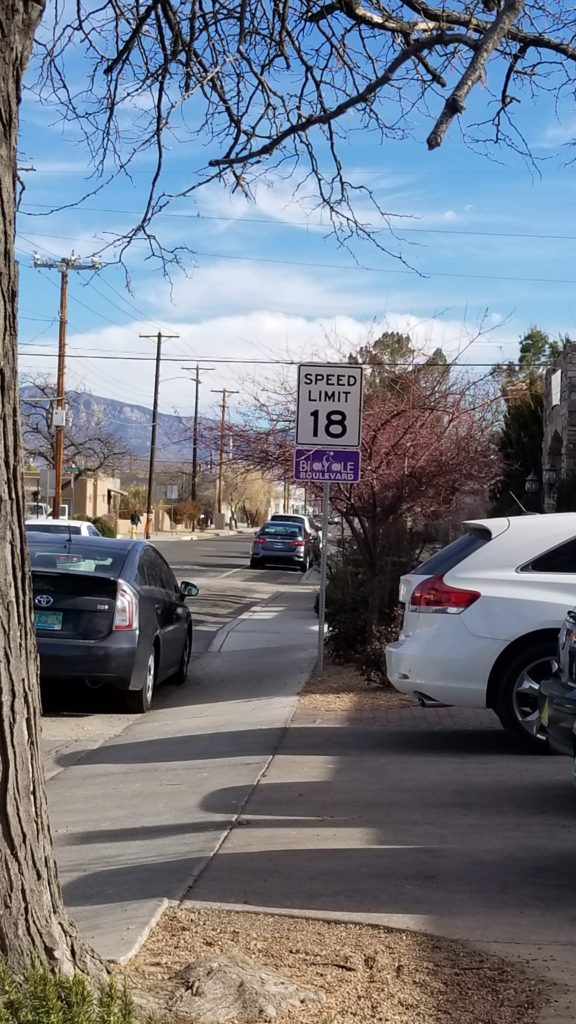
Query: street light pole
pixel 149 495
pixel 225 395
pixel 63 266
pixel 196 378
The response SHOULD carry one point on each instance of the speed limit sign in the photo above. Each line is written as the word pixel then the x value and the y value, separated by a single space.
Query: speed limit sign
pixel 329 413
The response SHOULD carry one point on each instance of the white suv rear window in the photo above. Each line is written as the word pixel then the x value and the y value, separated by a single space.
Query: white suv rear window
pixel 450 556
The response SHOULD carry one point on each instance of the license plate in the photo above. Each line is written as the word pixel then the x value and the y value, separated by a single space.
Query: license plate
pixel 545 714
pixel 48 620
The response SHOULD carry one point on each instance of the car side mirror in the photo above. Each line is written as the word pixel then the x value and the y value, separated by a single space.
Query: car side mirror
pixel 189 589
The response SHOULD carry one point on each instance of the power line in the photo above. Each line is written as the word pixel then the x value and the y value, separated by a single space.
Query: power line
pixel 362 268
pixel 277 222
pixel 237 361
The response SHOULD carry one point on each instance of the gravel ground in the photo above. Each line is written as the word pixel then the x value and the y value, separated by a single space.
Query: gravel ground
pixel 343 688
pixel 367 974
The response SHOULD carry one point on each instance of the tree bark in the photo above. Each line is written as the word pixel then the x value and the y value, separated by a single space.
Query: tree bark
pixel 33 921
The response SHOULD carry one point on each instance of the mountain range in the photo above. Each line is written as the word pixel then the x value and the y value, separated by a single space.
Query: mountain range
pixel 130 424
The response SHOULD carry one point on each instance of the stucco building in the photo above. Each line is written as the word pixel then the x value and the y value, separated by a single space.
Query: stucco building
pixel 559 448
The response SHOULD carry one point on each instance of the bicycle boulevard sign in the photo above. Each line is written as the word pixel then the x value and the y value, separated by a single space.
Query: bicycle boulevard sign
pixel 329 413
pixel 322 465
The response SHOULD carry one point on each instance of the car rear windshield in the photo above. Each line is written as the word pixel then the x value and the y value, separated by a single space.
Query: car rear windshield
pixel 97 560
pixel 52 528
pixel 286 519
pixel 281 530
pixel 450 556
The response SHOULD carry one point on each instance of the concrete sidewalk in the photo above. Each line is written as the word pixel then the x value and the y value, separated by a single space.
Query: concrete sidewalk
pixel 137 819
pixel 416 819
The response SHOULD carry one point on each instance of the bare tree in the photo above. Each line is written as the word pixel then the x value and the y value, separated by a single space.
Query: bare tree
pixel 278 83
pixel 89 445
pixel 33 921
pixel 247 490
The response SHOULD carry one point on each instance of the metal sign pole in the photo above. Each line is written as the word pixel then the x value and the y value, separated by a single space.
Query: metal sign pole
pixel 323 576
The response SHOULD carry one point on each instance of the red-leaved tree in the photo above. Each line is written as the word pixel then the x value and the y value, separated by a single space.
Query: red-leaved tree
pixel 428 450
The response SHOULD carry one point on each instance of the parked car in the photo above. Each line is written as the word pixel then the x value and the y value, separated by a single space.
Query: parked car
pixel 66 527
pixel 481 619
pixel 38 510
pixel 557 696
pixel 282 543
pixel 109 612
pixel 309 524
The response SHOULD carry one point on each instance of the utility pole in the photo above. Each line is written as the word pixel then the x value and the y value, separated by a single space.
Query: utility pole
pixel 149 496
pixel 225 395
pixel 63 266
pixel 196 378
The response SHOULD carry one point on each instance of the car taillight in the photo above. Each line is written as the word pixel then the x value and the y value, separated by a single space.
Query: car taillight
pixel 298 543
pixel 260 540
pixel 126 610
pixel 434 595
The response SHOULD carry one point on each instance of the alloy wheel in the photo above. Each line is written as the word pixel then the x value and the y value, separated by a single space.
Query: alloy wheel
pixel 526 691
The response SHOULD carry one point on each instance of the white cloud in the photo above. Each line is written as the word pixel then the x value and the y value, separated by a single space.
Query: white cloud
pixel 253 336
pixel 559 133
pixel 229 286
pixel 58 167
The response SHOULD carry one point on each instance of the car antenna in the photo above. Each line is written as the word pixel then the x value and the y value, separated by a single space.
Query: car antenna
pixel 519 503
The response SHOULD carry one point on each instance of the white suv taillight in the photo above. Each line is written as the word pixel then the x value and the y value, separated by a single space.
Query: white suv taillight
pixel 126 611
pixel 434 595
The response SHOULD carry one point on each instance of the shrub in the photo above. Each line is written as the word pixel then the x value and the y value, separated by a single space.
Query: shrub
pixel 106 529
pixel 362 604
pixel 42 996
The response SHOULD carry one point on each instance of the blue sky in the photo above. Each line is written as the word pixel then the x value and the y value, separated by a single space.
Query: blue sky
pixel 268 282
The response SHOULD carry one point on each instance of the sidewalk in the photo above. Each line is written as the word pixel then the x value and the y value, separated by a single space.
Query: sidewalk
pixel 137 819
pixel 243 531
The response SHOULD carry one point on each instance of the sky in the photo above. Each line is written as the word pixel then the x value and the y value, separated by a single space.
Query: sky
pixel 487 249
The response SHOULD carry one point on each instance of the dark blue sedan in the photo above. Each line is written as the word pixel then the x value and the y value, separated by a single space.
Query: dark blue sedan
pixel 109 612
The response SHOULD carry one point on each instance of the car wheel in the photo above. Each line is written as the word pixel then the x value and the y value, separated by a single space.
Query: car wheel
pixel 138 702
pixel 305 565
pixel 182 674
pixel 255 563
pixel 517 700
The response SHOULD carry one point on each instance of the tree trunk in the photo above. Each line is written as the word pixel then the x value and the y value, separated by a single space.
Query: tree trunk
pixel 33 921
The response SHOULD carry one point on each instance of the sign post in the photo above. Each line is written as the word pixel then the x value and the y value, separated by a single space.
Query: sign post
pixel 328 439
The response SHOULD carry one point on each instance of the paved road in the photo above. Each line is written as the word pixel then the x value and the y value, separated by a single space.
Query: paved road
pixel 228 588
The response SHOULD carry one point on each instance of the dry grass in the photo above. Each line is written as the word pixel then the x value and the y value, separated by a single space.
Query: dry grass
pixel 343 688
pixel 368 974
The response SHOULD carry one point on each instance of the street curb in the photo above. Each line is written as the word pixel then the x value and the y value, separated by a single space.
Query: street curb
pixel 205 535
pixel 143 935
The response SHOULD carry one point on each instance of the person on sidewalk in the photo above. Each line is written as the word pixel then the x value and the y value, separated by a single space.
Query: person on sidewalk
pixel 134 524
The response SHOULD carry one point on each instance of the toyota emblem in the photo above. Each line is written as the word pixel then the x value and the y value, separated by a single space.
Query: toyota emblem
pixel 44 600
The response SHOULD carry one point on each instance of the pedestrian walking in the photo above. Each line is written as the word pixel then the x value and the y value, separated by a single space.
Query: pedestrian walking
pixel 134 524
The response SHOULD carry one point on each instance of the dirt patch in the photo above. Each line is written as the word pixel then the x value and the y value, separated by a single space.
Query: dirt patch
pixel 343 688
pixel 367 974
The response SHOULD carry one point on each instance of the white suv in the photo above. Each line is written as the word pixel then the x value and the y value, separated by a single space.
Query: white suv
pixel 482 616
